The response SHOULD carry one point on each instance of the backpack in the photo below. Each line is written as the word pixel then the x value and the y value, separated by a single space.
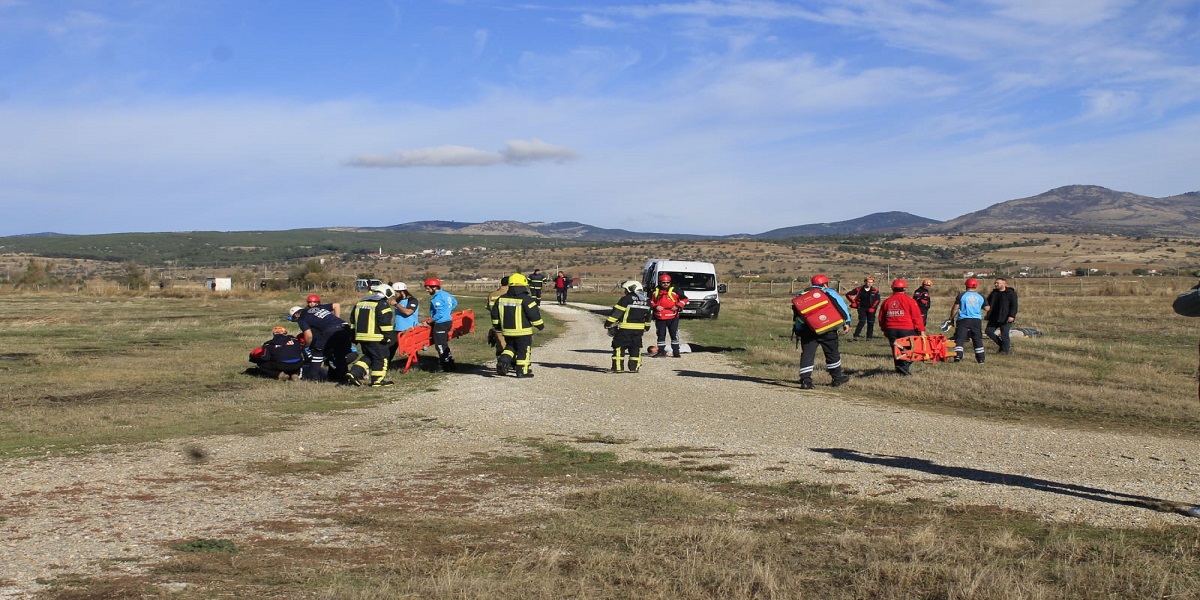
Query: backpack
pixel 817 310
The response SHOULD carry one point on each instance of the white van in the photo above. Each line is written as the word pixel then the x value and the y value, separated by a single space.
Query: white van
pixel 697 280
pixel 362 285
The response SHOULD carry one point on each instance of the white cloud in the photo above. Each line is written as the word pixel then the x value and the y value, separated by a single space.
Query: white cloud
pixel 526 151
pixel 516 152
pixel 1076 14
pixel 1107 104
pixel 597 22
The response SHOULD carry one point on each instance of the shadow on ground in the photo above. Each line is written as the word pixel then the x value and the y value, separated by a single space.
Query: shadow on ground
pixel 1009 479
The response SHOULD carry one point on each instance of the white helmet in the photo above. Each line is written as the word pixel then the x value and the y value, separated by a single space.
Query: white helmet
pixel 384 289
pixel 631 286
pixel 292 312
pixel 399 287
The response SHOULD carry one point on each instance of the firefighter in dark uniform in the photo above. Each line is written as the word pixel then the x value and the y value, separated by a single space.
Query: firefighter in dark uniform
pixel 327 336
pixel 629 319
pixel 515 315
pixel 810 339
pixel 283 355
pixel 536 280
pixel 373 324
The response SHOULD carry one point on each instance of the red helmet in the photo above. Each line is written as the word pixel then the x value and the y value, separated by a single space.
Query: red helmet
pixel 899 284
pixel 820 279
pixel 972 283
pixel 664 278
pixel 313 298
pixel 433 282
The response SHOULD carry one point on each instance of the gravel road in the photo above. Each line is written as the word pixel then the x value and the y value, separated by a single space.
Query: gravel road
pixel 118 510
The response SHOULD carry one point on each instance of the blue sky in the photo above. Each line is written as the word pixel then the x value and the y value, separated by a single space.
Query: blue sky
pixel 705 116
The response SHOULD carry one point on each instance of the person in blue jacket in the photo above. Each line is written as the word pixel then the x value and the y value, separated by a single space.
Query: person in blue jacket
pixel 441 320
pixel 967 316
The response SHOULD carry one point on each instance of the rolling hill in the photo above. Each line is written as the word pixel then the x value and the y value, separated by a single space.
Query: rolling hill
pixel 885 222
pixel 1085 209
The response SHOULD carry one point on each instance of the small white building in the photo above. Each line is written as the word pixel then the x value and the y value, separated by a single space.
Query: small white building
pixel 218 284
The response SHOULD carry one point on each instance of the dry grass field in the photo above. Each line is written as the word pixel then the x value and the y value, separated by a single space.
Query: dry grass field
pixel 82 372
pixel 739 262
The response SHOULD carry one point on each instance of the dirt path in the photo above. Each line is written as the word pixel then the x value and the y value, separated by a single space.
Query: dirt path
pixel 118 510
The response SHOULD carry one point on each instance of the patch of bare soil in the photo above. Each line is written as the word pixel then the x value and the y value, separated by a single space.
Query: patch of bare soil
pixel 120 510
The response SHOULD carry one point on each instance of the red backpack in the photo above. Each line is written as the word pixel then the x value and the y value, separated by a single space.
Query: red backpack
pixel 817 310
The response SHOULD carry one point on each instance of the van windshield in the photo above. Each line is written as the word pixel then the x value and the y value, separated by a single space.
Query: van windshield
pixel 693 282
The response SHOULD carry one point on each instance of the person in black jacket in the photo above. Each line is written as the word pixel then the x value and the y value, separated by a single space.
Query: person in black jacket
pixel 283 355
pixel 924 300
pixel 865 298
pixel 1001 307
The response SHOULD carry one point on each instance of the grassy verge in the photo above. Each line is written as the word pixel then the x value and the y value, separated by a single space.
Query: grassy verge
pixel 87 371
pixel 609 529
pixel 1117 362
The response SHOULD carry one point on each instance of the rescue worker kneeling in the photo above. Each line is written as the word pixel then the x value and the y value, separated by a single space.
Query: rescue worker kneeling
pixel 515 315
pixel 629 319
pixel 372 323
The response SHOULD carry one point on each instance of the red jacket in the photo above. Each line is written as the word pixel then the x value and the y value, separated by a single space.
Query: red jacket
pixel 667 303
pixel 900 311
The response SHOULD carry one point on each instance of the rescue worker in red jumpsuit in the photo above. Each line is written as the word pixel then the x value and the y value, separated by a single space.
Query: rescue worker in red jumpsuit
pixel 900 316
pixel 666 303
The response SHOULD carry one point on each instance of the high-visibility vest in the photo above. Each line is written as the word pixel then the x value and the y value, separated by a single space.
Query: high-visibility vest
pixel 634 315
pixel 516 315
pixel 370 319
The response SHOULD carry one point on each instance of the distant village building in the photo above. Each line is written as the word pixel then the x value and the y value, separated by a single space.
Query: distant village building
pixel 218 284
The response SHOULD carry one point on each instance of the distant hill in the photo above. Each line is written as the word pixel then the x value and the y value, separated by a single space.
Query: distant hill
pixel 885 222
pixel 1085 209
pixel 568 230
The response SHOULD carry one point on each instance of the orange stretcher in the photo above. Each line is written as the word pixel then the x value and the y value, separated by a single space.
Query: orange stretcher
pixel 420 337
pixel 920 348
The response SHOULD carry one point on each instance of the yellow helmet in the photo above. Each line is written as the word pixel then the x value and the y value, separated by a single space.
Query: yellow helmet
pixel 517 280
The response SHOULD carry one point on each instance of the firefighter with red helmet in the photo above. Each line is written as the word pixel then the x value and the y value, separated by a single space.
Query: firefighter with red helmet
pixel 967 316
pixel 817 324
pixel 900 316
pixel 314 301
pixel 666 303
pixel 327 336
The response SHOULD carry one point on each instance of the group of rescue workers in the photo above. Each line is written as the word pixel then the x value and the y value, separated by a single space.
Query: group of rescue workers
pixel 355 350
pixel 358 350
pixel 820 314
